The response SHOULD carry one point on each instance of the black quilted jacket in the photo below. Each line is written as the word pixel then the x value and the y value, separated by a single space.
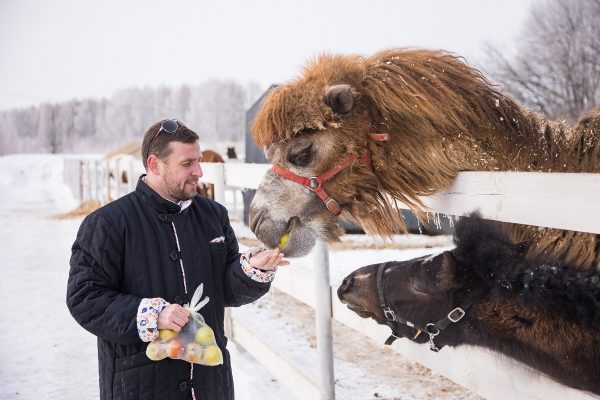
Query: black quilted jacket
pixel 126 251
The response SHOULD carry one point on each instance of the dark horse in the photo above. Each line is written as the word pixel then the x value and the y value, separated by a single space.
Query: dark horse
pixel 484 292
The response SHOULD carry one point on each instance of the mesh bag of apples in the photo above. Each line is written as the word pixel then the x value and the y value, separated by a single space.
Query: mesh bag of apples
pixel 195 342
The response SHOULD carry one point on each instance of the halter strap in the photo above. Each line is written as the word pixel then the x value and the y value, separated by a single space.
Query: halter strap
pixel 315 183
pixel 432 329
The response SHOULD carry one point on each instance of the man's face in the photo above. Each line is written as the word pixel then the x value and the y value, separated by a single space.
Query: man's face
pixel 180 171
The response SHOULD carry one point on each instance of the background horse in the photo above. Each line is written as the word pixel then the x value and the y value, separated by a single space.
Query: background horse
pixel 395 126
pixel 208 189
pixel 485 293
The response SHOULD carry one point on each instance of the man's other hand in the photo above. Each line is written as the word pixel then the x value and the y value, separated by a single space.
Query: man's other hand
pixel 173 317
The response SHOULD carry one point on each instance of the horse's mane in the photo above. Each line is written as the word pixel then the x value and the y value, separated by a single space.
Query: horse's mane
pixel 483 248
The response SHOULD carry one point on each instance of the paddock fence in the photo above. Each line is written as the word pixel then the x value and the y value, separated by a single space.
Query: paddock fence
pixel 556 200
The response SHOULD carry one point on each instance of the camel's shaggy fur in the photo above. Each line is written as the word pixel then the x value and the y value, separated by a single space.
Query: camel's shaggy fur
pixel 442 117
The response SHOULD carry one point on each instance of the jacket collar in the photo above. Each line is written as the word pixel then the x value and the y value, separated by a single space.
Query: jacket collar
pixel 155 200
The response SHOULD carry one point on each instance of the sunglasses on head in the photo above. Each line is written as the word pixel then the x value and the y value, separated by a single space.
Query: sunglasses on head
pixel 170 126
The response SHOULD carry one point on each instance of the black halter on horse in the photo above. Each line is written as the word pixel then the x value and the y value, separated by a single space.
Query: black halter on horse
pixel 431 328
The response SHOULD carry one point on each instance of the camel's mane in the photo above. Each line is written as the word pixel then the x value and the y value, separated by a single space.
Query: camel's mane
pixel 442 117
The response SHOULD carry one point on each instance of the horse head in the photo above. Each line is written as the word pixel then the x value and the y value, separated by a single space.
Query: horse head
pixel 417 298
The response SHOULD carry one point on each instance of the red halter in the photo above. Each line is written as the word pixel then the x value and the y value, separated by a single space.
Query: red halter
pixel 315 183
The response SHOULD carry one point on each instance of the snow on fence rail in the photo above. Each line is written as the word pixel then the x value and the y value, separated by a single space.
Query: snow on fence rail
pixel 557 200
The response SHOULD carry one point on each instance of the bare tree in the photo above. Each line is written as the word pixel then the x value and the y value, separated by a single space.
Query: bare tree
pixel 556 68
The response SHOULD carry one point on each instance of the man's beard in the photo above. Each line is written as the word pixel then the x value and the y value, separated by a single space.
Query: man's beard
pixel 180 193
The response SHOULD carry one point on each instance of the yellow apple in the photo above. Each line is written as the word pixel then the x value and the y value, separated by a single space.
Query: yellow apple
pixel 205 336
pixel 156 351
pixel 166 334
pixel 193 352
pixel 283 241
pixel 212 356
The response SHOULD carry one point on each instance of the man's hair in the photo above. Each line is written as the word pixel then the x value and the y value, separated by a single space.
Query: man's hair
pixel 160 145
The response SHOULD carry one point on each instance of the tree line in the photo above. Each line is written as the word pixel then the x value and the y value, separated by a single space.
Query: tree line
pixel 215 109
pixel 554 70
pixel 556 67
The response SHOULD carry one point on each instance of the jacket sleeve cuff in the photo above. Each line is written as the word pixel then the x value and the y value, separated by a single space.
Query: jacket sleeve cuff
pixel 147 318
pixel 256 274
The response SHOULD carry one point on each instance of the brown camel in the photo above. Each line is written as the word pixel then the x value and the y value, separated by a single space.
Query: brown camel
pixel 395 126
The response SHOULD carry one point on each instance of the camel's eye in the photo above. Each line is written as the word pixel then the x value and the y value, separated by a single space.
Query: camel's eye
pixel 302 158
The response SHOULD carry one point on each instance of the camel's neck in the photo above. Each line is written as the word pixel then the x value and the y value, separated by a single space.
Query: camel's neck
pixel 535 144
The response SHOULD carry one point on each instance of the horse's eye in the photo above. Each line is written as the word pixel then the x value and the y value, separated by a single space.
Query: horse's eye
pixel 302 158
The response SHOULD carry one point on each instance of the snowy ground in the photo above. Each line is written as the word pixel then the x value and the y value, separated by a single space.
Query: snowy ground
pixel 46 355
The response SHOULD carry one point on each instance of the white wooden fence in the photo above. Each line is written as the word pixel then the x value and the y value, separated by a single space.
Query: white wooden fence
pixel 557 200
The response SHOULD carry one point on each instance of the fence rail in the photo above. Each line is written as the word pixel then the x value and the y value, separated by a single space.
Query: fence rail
pixel 557 200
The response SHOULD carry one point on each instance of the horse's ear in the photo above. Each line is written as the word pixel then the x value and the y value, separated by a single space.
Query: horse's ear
pixel 446 275
pixel 341 98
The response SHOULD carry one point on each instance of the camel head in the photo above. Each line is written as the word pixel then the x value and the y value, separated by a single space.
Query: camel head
pixel 373 131
pixel 319 171
pixel 316 127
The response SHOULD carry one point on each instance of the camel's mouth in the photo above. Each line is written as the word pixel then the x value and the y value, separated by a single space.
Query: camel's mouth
pixel 292 236
pixel 292 223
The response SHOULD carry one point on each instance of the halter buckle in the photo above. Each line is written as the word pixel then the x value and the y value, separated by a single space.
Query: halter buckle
pixel 456 314
pixel 313 183
pixel 389 314
pixel 333 206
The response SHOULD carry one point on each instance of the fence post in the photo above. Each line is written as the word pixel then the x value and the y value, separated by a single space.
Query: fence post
pixel 80 179
pixel 219 196
pixel 219 183
pixel 106 178
pixel 323 322
pixel 88 180
pixel 98 180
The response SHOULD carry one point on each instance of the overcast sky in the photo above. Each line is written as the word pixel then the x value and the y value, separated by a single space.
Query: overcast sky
pixel 53 50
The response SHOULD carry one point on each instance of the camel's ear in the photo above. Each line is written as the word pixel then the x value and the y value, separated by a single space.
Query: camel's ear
pixel 341 98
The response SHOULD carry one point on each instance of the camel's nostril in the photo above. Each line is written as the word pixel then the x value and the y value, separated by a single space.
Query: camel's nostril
pixel 255 220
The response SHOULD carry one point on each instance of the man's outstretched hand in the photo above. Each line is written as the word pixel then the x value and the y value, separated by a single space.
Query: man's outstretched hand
pixel 268 259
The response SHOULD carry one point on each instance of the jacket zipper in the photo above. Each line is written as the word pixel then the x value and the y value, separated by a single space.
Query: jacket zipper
pixel 186 291
pixel 180 258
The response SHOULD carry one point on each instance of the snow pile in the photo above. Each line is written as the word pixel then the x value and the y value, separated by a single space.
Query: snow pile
pixel 34 182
